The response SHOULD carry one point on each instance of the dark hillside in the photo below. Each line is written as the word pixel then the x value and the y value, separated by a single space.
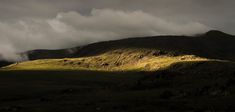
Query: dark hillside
pixel 51 54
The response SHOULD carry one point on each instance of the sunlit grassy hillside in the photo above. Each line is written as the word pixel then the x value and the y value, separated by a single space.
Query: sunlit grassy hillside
pixel 116 60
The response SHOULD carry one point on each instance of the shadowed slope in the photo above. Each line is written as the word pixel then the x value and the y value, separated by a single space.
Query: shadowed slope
pixel 51 54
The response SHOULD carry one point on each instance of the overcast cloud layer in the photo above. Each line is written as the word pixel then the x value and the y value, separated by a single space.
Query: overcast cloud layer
pixel 54 24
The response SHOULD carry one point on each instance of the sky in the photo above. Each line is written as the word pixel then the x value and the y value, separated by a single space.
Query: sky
pixel 54 24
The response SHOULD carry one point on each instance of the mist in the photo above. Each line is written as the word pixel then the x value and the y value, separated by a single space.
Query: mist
pixel 69 29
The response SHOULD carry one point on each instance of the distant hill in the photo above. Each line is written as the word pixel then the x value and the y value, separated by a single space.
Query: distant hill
pixel 52 54
pixel 213 45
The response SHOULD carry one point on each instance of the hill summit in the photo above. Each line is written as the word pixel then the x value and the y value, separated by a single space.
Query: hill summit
pixel 217 33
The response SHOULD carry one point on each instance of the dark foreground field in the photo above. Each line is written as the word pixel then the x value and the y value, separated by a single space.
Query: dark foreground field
pixel 84 91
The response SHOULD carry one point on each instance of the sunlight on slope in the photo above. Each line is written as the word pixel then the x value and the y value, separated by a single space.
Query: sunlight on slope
pixel 116 60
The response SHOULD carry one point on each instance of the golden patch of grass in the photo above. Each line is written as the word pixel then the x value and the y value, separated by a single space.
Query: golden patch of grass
pixel 116 60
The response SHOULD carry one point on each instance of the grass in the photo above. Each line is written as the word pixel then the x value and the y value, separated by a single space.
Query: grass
pixel 116 60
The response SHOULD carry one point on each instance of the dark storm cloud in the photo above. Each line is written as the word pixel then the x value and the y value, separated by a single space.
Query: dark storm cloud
pixel 51 24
